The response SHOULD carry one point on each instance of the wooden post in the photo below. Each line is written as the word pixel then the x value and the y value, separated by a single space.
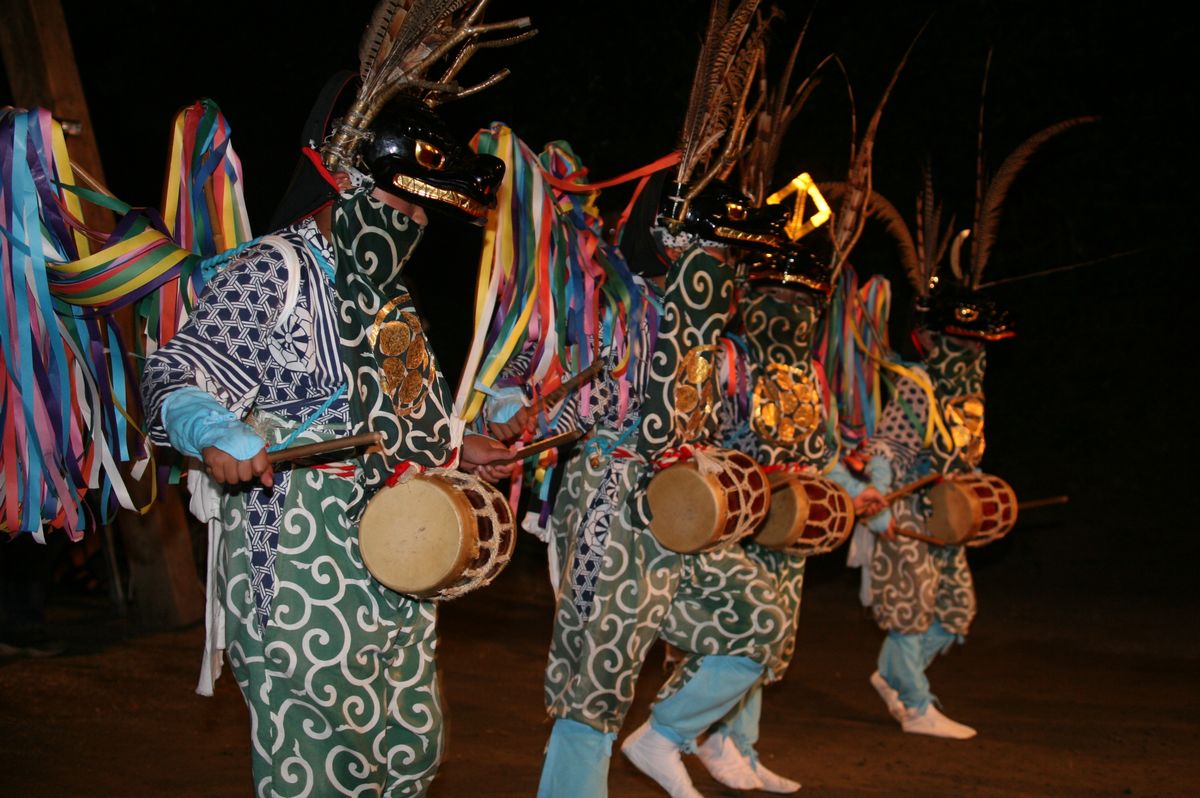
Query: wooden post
pixel 41 69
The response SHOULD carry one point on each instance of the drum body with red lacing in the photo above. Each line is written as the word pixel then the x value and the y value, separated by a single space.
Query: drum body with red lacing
pixel 706 502
pixel 808 515
pixel 438 535
pixel 971 509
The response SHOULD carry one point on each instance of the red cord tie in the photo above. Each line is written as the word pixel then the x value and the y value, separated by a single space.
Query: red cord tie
pixel 678 455
pixel 406 466
pixel 791 468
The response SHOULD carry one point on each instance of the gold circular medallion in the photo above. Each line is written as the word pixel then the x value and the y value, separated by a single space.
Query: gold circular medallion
pixel 404 360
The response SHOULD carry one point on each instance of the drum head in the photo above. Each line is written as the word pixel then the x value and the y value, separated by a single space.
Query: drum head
pixel 688 514
pixel 411 536
pixel 787 515
pixel 955 514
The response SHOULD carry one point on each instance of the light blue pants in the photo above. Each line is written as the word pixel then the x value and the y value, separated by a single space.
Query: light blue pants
pixel 904 658
pixel 576 763
pixel 577 757
pixel 741 725
pixel 718 685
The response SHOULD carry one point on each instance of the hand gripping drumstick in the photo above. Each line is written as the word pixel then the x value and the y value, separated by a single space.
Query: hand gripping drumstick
pixel 293 453
pixel 901 492
pixel 904 490
pixel 539 446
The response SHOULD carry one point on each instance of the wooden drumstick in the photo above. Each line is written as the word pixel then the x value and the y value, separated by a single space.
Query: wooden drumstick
pixel 904 490
pixel 555 396
pixel 323 447
pixel 1047 502
pixel 539 446
pixel 1029 505
pixel 912 487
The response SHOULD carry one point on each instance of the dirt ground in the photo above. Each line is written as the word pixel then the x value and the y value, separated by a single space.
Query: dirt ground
pixel 1071 698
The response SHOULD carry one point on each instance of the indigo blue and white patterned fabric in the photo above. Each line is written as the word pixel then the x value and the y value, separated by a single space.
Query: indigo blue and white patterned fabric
pixel 240 346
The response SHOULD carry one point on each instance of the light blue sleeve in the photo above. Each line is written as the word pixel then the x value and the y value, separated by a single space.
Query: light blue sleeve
pixel 195 420
pixel 879 476
pixel 879 471
pixel 502 403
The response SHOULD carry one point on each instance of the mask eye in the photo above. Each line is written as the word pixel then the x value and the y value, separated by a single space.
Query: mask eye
pixel 964 313
pixel 430 156
pixel 736 211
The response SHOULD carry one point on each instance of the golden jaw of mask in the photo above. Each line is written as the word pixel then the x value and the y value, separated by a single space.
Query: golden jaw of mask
pixel 750 238
pixel 445 196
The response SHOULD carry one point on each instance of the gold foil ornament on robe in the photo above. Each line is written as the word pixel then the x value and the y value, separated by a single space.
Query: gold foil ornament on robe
pixel 964 418
pixel 786 405
pixel 694 392
pixel 403 356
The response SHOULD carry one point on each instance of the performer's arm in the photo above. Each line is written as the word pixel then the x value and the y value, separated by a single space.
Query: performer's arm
pixel 198 387
pixel 868 493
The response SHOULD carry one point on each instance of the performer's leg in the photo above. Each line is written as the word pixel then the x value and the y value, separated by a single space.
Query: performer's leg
pixel 604 627
pixel 729 753
pixel 244 647
pixel 727 614
pixel 937 640
pixel 786 572
pixel 347 685
pixel 700 692
pixel 576 763
pixel 955 604
pixel 412 740
pixel 741 725
pixel 902 663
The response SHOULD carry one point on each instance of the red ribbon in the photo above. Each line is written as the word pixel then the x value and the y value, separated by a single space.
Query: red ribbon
pixel 643 171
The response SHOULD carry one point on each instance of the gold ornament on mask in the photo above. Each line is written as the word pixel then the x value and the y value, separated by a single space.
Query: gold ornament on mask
pixel 786 405
pixel 406 369
pixel 964 417
pixel 694 392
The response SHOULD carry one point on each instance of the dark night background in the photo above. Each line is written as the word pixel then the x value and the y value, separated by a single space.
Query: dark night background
pixel 1092 400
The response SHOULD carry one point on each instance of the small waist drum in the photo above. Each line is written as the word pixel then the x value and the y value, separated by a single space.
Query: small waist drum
pixel 971 509
pixel 437 536
pixel 808 515
pixel 708 501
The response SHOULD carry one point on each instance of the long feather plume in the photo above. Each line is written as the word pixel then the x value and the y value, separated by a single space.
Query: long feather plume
pixel 783 104
pixel 932 237
pixel 850 219
pixel 403 42
pixel 988 214
pixel 880 208
pixel 729 57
